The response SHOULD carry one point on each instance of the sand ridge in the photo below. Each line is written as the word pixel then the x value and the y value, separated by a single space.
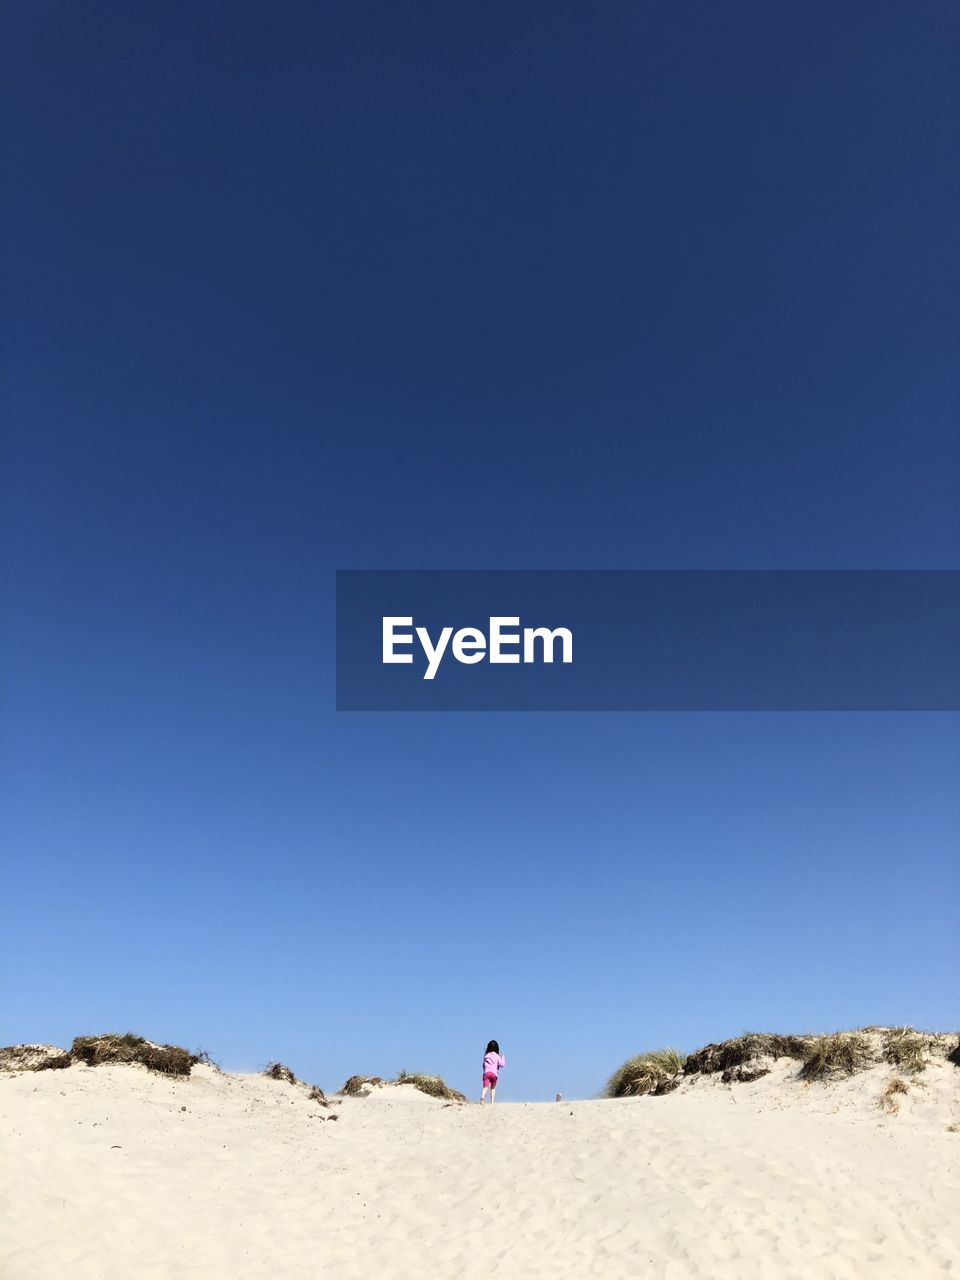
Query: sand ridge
pixel 114 1172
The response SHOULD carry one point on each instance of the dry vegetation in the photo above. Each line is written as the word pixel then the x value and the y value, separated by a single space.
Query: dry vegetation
pixel 169 1059
pixel 360 1086
pixel 889 1099
pixel 277 1071
pixel 841 1054
pixel 430 1084
pixel 33 1057
pixel 820 1057
pixel 745 1057
pixel 656 1072
pixel 94 1051
pixel 906 1049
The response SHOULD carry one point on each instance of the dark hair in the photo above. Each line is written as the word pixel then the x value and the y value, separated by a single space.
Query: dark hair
pixel 492 1047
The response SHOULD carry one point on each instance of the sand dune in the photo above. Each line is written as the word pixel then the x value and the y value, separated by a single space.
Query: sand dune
pixel 118 1172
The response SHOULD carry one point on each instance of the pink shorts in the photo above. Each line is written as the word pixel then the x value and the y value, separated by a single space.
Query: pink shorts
pixel 489 1079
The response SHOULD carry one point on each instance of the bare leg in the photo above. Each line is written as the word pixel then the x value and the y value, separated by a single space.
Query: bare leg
pixel 493 1094
pixel 483 1094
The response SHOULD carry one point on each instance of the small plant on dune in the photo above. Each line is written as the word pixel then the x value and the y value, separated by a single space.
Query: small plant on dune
pixel 905 1049
pixel 889 1099
pixel 430 1084
pixel 168 1059
pixel 277 1071
pixel 360 1086
pixel 843 1053
pixel 652 1072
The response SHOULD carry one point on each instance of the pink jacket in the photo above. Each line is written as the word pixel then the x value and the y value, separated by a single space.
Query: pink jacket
pixel 492 1062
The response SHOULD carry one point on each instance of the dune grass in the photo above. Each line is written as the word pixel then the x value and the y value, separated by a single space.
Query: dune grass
pixel 278 1071
pixel 650 1072
pixel 841 1054
pixel 730 1057
pixel 430 1084
pixel 360 1086
pixel 435 1086
pixel 749 1056
pixel 168 1059
pixel 889 1099
pixel 33 1057
pixel 906 1050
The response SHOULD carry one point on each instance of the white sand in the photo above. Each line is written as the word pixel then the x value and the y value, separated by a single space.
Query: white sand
pixel 115 1172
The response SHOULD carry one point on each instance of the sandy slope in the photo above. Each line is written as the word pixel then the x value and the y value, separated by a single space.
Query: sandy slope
pixel 116 1172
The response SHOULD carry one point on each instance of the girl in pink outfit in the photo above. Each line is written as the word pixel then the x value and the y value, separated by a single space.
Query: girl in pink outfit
pixel 493 1060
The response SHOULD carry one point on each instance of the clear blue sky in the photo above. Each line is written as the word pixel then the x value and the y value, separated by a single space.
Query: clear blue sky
pixel 542 286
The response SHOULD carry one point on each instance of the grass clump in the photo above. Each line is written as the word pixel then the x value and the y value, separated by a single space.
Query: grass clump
pixel 360 1086
pixel 889 1099
pixel 842 1054
pixel 906 1050
pixel 430 1084
pixel 168 1059
pixel 33 1057
pixel 732 1059
pixel 655 1072
pixel 277 1071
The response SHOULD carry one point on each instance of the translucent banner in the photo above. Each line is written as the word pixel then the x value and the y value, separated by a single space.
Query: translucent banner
pixel 431 640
